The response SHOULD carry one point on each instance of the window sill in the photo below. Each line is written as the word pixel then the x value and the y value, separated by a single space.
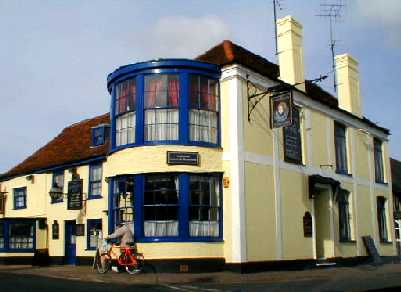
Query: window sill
pixel 177 239
pixel 350 241
pixel 165 142
pixel 381 183
pixel 385 242
pixel 95 197
pixel 57 202
pixel 19 208
pixel 90 249
pixel 294 162
pixel 343 173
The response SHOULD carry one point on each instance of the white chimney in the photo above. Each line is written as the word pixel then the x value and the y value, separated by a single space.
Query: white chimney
pixel 349 97
pixel 290 51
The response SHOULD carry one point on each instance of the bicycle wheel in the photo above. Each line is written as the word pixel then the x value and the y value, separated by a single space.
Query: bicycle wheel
pixel 103 263
pixel 137 267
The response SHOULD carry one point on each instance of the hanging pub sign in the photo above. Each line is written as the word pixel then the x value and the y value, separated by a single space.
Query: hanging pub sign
pixel 281 110
pixel 75 197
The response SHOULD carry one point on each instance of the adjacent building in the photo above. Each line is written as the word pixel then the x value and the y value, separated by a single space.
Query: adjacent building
pixel 188 153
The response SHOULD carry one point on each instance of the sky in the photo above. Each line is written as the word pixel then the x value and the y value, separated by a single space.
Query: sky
pixel 55 55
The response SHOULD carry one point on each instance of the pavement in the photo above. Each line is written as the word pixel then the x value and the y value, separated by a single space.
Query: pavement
pixel 84 278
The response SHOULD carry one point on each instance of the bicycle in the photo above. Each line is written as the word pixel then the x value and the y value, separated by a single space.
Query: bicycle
pixel 129 258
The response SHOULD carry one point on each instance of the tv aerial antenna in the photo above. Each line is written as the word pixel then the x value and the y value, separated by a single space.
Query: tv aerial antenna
pixel 332 11
pixel 277 4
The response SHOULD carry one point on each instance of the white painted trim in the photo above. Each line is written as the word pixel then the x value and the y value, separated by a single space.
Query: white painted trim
pixel 313 229
pixel 277 194
pixel 332 229
pixel 238 227
pixel 309 170
pixel 355 195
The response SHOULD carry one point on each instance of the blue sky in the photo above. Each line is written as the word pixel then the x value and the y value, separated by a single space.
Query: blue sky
pixel 55 55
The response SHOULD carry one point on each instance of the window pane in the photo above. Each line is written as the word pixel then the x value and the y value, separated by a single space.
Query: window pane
pixel 341 148
pixel 203 126
pixel 204 206
pixel 125 129
pixel 94 232
pixel 162 91
pixel 203 93
pixel 161 124
pixel 21 235
pixel 161 205
pixel 126 96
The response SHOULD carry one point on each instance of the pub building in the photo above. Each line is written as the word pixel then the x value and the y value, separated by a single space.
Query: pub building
pixel 215 171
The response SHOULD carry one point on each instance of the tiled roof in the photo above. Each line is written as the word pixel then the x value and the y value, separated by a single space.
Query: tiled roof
pixel 396 175
pixel 73 144
pixel 227 53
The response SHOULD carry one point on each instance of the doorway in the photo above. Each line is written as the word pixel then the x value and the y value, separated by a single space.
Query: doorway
pixel 324 233
pixel 70 243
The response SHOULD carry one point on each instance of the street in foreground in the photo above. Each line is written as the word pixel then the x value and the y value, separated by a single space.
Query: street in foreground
pixel 83 278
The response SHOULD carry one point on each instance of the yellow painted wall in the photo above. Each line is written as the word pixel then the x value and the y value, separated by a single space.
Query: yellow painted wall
pixel 295 202
pixel 320 155
pixel 260 210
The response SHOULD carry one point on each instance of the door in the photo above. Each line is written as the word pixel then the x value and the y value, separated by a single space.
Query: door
pixel 70 243
pixel 324 236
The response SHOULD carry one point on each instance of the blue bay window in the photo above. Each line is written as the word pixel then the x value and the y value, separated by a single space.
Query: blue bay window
pixel 168 206
pixel 165 102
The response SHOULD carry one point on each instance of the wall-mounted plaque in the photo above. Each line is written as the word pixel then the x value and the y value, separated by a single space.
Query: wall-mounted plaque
pixel 182 158
pixel 55 230
pixel 281 110
pixel 75 197
pixel 307 220
pixel 80 229
pixel 292 139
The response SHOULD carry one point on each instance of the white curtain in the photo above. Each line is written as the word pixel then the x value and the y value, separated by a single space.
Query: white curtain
pixel 125 129
pixel 161 228
pixel 204 228
pixel 203 126
pixel 161 124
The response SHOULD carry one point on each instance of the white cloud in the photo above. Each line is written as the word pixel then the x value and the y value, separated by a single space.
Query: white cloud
pixel 181 36
pixel 384 14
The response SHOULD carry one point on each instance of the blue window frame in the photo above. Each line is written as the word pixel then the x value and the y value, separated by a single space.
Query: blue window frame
pixel 173 207
pixel 100 134
pixel 95 181
pixel 122 202
pixel 94 230
pixel 17 235
pixel 125 112
pixel 176 102
pixel 58 181
pixel 20 198
pixel 204 109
